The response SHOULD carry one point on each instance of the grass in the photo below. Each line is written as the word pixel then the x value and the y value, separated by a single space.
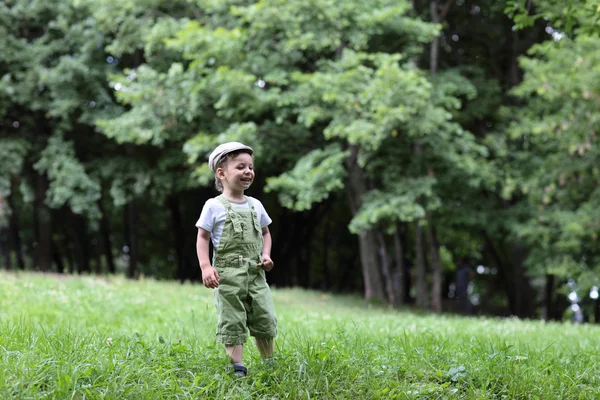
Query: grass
pixel 109 338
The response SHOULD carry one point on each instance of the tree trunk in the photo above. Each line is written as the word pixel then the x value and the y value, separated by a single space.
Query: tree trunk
pixel 14 233
pixel 434 255
pixel 96 254
pixel 5 247
pixel 131 238
pixel 514 75
pixel 435 44
pixel 295 230
pixel 325 246
pixel 286 236
pixel 81 242
pixel 43 218
pixel 399 277
pixel 105 239
pixel 512 273
pixel 436 268
pixel 421 283
pixel 305 271
pixel 304 255
pixel 370 267
pixel 524 304
pixel 60 266
pixel 386 268
pixel 549 311
pixel 355 189
pixel 436 283
pixel 503 278
pixel 554 304
pixel 4 233
pixel 173 204
pixel 63 241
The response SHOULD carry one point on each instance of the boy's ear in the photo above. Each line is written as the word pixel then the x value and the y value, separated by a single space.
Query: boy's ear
pixel 220 173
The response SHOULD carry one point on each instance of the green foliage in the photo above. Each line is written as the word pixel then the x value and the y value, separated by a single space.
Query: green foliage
pixel 54 78
pixel 12 158
pixel 164 105
pixel 69 183
pixel 126 98
pixel 323 27
pixel 406 201
pixel 138 24
pixel 556 138
pixel 364 97
pixel 276 63
pixel 153 118
pixel 58 71
pixel 311 180
pixel 582 16
pixel 374 102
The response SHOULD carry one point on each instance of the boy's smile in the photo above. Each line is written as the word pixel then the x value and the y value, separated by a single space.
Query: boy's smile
pixel 238 174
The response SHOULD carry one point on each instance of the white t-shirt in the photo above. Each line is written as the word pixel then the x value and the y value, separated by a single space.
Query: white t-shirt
pixel 214 214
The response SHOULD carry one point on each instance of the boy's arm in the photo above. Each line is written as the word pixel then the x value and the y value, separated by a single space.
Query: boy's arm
pixel 267 263
pixel 210 276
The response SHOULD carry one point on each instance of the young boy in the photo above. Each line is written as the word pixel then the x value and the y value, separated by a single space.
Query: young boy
pixel 238 228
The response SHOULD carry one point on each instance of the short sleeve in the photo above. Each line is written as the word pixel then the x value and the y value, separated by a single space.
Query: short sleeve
pixel 263 217
pixel 207 217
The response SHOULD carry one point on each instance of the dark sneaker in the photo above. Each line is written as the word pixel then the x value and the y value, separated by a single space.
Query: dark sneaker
pixel 239 371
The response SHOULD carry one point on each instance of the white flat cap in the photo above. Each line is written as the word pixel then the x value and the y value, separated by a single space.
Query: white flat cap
pixel 222 150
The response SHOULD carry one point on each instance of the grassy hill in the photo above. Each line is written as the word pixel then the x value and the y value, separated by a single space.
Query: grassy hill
pixel 87 337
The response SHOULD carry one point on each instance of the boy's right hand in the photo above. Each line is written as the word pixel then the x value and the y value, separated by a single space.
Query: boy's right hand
pixel 210 277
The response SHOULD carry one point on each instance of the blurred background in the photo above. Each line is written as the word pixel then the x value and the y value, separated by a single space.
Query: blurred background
pixel 442 155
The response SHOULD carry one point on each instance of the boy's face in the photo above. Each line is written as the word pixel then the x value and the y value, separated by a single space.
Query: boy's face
pixel 238 172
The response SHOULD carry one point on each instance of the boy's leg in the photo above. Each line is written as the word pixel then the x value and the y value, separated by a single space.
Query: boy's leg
pixel 235 352
pixel 265 347
pixel 262 319
pixel 231 326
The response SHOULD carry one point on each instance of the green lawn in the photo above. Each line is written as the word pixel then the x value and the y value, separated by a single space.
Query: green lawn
pixel 70 337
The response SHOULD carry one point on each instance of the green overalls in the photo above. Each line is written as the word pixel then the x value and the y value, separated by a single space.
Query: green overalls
pixel 243 298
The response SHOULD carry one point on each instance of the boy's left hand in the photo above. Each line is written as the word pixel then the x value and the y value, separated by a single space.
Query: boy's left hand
pixel 267 264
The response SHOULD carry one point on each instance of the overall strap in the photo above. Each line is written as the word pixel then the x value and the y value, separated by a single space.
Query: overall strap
pixel 232 215
pixel 254 215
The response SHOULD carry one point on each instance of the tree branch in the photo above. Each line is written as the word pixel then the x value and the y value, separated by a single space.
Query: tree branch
pixel 446 10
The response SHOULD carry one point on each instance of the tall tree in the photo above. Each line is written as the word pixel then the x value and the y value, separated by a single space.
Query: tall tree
pixel 54 79
pixel 554 137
